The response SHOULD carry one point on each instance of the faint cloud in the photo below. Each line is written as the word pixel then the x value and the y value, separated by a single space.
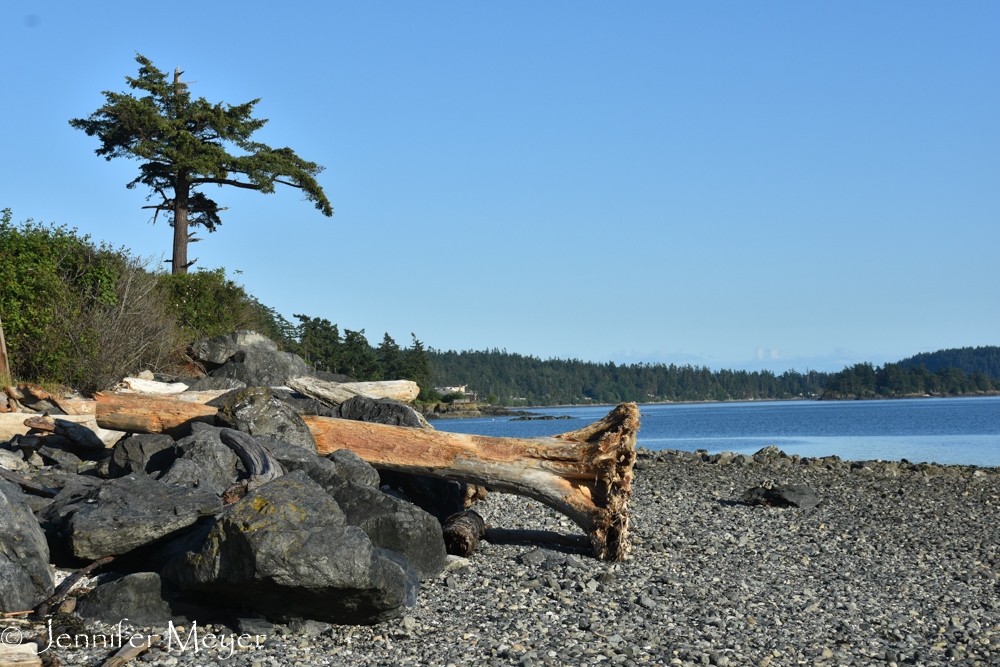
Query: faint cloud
pixel 32 20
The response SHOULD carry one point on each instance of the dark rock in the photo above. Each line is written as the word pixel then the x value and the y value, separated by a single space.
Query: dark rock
pixel 257 411
pixel 214 383
pixel 308 628
pixel 379 411
pixel 126 513
pixel 188 474
pixel 236 373
pixel 25 575
pixel 390 523
pixel 253 626
pixel 272 368
pixel 283 549
pixel 439 497
pixel 353 467
pixel 145 453
pixel 213 352
pixel 788 495
pixel 219 466
pixel 141 598
pixel 55 455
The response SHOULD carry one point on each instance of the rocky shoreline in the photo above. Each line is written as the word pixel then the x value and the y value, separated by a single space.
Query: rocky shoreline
pixel 897 565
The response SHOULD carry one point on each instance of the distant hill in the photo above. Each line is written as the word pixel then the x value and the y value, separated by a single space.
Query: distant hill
pixel 985 360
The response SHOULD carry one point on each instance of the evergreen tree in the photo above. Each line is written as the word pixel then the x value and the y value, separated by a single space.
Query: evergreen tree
pixel 389 358
pixel 357 358
pixel 416 366
pixel 319 343
pixel 180 143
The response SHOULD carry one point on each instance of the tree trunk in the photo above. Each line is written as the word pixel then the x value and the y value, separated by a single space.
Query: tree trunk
pixel 584 474
pixel 5 375
pixel 182 190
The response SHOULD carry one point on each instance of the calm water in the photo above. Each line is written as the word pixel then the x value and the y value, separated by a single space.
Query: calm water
pixel 942 430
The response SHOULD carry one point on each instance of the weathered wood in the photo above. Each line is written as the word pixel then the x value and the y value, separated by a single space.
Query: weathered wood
pixel 139 413
pixel 334 393
pixel 27 485
pixel 462 532
pixel 67 585
pixel 259 462
pixel 129 651
pixel 140 386
pixel 585 474
pixel 20 655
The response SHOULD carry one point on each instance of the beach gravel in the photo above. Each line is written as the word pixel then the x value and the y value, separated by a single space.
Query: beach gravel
pixel 897 565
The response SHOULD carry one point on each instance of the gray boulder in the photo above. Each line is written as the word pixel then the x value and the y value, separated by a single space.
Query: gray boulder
pixel 379 411
pixel 25 576
pixel 305 406
pixel 237 374
pixel 787 495
pixel 272 368
pixel 210 383
pixel 214 352
pixel 218 467
pixel 284 550
pixel 352 467
pixel 140 597
pixel 390 523
pixel 130 512
pixel 188 474
pixel 146 453
pixel 257 411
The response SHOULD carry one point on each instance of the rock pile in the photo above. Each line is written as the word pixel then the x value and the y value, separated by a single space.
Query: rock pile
pixel 319 541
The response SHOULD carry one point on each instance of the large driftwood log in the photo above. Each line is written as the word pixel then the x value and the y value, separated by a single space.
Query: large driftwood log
pixel 584 474
pixel 147 414
pixel 333 393
pixel 12 423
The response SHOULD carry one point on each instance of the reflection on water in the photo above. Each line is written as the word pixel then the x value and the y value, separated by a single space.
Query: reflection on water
pixel 953 430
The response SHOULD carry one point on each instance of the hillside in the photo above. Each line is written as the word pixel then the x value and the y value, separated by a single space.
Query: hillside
pixel 985 360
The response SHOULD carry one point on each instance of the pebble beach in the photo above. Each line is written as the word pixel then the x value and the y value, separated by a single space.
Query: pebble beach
pixel 898 565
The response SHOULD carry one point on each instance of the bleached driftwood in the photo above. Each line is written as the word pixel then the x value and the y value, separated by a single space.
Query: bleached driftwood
pixel 140 386
pixel 333 393
pixel 584 474
pixel 12 424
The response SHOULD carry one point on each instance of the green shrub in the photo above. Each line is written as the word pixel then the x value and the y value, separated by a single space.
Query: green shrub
pixel 75 313
pixel 207 303
pixel 452 397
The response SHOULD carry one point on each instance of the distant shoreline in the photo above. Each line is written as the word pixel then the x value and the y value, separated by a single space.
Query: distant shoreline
pixel 758 400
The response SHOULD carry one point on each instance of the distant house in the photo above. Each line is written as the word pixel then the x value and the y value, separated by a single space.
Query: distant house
pixel 444 391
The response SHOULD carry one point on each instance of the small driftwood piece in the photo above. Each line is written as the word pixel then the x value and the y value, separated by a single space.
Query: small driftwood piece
pixel 83 438
pixel 584 474
pixel 67 585
pixel 462 532
pixel 27 485
pixel 333 393
pixel 129 651
pixel 139 413
pixel 20 655
pixel 260 463
pixel 140 386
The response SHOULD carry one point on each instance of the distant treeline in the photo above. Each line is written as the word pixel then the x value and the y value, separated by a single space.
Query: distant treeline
pixel 512 379
pixel 866 381
pixel 518 380
pixel 985 360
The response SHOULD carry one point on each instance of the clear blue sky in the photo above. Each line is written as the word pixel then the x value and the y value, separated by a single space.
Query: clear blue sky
pixel 750 185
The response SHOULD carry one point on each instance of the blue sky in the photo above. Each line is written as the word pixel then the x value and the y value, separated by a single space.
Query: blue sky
pixel 754 185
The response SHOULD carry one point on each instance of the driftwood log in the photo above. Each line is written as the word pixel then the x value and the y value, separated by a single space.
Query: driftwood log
pixel 260 464
pixel 584 474
pixel 462 532
pixel 139 413
pixel 333 393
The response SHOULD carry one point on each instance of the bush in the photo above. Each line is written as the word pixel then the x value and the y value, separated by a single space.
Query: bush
pixel 207 304
pixel 453 396
pixel 74 313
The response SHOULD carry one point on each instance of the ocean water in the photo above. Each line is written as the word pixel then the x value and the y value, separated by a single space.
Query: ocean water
pixel 940 430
